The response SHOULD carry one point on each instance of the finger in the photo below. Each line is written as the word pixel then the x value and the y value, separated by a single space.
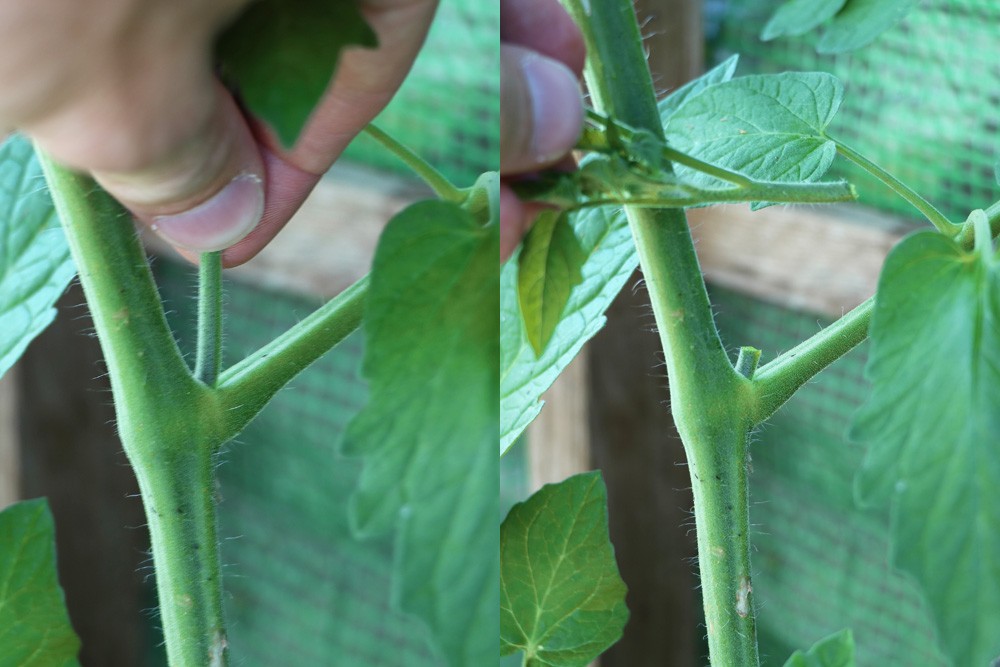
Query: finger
pixel 541 110
pixel 365 81
pixel 166 140
pixel 545 27
pixel 511 221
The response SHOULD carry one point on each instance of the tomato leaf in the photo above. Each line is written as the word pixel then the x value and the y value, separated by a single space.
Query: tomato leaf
pixel 428 433
pixel 797 17
pixel 34 624
pixel 932 427
pixel 281 54
pixel 860 22
pixel 849 24
pixel 770 127
pixel 35 263
pixel 607 244
pixel 837 650
pixel 548 269
pixel 719 74
pixel 562 600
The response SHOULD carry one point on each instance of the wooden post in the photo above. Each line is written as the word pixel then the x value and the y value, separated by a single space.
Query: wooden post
pixel 633 438
pixel 559 439
pixel 70 454
pixel 10 486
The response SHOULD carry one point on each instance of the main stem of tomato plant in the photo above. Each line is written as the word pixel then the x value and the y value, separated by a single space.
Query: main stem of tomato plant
pixel 167 420
pixel 710 401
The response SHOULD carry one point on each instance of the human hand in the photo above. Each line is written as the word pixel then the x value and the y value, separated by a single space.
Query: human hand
pixel 541 110
pixel 125 90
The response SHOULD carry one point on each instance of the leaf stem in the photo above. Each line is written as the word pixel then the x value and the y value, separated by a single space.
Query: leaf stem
pixel 441 186
pixel 790 193
pixel 209 346
pixel 928 210
pixel 246 387
pixel 674 155
pixel 775 382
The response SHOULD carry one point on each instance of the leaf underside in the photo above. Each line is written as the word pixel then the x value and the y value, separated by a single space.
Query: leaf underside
pixel 798 17
pixel 562 600
pixel 280 55
pixel 35 262
pixel 847 24
pixel 548 269
pixel 606 241
pixel 837 650
pixel 932 427
pixel 428 433
pixel 770 127
pixel 34 624
pixel 719 74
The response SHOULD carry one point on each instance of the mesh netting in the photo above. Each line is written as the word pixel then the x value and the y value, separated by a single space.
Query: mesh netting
pixel 921 101
pixel 447 109
pixel 299 589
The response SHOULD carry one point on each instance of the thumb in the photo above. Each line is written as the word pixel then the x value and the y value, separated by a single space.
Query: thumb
pixel 188 167
pixel 541 110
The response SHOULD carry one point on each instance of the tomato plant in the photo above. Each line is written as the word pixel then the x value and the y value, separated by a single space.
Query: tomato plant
pixel 930 423
pixel 428 313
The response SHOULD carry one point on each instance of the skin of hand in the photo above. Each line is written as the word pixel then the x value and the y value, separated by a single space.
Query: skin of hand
pixel 541 110
pixel 125 90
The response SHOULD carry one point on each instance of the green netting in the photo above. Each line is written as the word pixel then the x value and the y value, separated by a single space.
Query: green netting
pixel 448 109
pixel 299 589
pixel 921 100
pixel 820 564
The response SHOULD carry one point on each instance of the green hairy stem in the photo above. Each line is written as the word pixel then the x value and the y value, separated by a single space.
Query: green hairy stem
pixel 709 399
pixel 158 405
pixel 172 420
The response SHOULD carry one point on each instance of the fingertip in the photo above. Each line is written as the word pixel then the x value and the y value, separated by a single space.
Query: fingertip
pixel 541 110
pixel 286 187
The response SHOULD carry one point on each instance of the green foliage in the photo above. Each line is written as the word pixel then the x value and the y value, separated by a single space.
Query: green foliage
pixel 797 17
pixel 35 264
pixel 850 24
pixel 607 244
pixel 281 54
pixel 428 432
pixel 932 428
pixel 837 650
pixel 562 600
pixel 548 269
pixel 34 625
pixel 719 74
pixel 770 127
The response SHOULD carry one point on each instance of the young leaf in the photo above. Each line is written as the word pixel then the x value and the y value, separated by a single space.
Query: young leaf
pixel 562 600
pixel 281 54
pixel 770 127
pixel 548 269
pixel 34 624
pixel 719 74
pixel 428 432
pixel 860 22
pixel 837 650
pixel 797 17
pixel 932 426
pixel 610 259
pixel 35 264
